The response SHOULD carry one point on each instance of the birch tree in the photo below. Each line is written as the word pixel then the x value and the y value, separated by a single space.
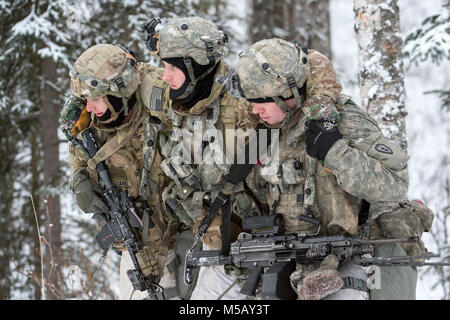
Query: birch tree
pixel 431 42
pixel 381 73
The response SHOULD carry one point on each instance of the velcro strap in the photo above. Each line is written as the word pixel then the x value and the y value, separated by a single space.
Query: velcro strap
pixel 354 283
pixel 156 99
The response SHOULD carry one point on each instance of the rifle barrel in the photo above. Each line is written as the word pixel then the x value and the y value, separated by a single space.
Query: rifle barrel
pixel 383 241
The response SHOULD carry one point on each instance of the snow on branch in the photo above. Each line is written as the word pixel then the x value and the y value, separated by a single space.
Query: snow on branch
pixel 431 40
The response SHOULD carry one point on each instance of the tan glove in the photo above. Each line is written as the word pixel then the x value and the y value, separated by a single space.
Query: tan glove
pixel 213 236
pixel 321 282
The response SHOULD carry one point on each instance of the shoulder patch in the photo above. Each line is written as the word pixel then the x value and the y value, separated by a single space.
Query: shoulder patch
pixel 383 148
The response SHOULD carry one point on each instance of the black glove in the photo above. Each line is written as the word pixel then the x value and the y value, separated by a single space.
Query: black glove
pixel 319 140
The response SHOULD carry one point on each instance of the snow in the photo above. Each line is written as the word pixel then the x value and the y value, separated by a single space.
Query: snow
pixel 372 91
pixel 427 125
pixel 435 36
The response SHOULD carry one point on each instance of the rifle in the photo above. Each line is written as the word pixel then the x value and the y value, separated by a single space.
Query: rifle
pixel 265 245
pixel 121 222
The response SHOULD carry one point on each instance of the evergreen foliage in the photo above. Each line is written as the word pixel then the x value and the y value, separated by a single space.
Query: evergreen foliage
pixel 431 41
pixel 40 39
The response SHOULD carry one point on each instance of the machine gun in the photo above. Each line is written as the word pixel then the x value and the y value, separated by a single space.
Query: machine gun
pixel 265 245
pixel 122 222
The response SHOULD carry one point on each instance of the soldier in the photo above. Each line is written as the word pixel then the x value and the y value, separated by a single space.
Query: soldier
pixel 324 171
pixel 191 50
pixel 113 86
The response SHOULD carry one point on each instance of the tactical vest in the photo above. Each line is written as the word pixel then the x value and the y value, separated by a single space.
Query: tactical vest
pixel 195 158
pixel 131 156
pixel 300 184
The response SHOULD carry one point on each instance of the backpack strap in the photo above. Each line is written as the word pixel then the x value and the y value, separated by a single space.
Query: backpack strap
pixel 114 144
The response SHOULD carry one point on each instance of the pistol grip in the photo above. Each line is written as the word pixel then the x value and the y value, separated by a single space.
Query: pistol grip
pixel 252 281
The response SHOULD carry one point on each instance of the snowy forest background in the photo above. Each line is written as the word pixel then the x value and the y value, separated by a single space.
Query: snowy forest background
pixel 406 87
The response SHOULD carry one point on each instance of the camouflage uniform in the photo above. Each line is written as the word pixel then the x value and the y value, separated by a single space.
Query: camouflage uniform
pixel 361 165
pixel 129 150
pixel 196 175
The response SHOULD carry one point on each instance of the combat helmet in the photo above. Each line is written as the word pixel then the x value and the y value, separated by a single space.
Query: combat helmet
pixel 272 70
pixel 105 69
pixel 189 38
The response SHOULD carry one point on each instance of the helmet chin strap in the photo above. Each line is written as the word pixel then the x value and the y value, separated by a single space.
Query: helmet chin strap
pixel 283 105
pixel 285 108
pixel 190 88
pixel 121 86
pixel 114 113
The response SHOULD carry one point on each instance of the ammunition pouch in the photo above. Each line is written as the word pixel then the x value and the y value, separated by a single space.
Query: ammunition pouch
pixel 148 262
pixel 410 218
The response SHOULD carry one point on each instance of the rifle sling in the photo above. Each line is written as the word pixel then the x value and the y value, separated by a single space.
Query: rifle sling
pixel 222 200
pixel 237 173
pixel 218 202
pixel 226 227
pixel 112 145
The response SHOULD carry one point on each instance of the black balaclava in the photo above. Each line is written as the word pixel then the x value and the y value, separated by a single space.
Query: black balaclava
pixel 203 87
pixel 117 104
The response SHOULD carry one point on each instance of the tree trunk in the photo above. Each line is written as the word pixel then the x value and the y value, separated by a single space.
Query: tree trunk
pixel 307 21
pixel 7 174
pixel 313 25
pixel 381 74
pixel 262 22
pixel 49 121
pixel 34 193
pixel 217 5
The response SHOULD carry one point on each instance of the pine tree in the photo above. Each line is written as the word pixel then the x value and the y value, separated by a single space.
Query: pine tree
pixel 431 41
pixel 40 40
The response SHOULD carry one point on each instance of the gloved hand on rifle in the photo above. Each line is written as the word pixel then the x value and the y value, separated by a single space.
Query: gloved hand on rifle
pixel 87 194
pixel 74 117
pixel 321 282
pixel 213 236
